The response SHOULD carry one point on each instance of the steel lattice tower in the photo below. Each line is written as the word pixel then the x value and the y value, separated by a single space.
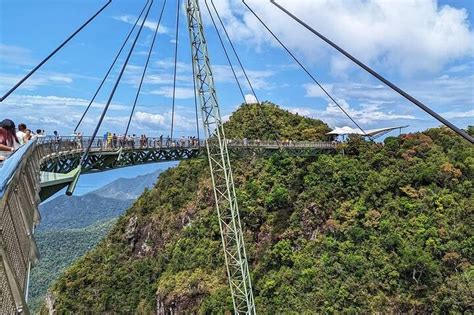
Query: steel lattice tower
pixel 221 173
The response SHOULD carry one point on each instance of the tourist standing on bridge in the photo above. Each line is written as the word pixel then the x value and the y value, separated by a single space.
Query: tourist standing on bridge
pixel 129 141
pixel 109 140
pixel 56 140
pixel 79 140
pixel 22 135
pixel 122 140
pixel 104 137
pixel 40 133
pixel 8 140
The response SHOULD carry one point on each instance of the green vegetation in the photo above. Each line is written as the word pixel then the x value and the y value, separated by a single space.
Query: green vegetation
pixel 59 248
pixel 271 122
pixel 71 226
pixel 383 228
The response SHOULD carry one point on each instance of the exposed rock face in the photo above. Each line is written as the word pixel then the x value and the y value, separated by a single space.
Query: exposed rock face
pixel 165 309
pixel 131 232
pixel 50 303
pixel 309 221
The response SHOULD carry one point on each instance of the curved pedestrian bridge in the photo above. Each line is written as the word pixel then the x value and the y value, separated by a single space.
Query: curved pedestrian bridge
pixel 44 166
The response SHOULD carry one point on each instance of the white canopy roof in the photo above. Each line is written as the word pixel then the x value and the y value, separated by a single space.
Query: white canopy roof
pixel 355 131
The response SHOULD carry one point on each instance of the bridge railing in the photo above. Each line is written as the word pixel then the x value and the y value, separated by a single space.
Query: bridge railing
pixel 19 200
pixel 280 144
pixel 50 145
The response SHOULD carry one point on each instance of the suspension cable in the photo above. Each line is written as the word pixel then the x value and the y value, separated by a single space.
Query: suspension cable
pixel 195 95
pixel 225 52
pixel 234 50
pixel 425 108
pixel 111 67
pixel 233 70
pixel 144 69
pixel 262 111
pixel 104 112
pixel 175 66
pixel 307 72
pixel 52 53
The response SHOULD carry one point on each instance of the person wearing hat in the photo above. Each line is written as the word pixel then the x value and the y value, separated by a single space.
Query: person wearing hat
pixel 8 139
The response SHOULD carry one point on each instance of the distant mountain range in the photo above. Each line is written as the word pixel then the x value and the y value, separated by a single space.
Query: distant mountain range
pixel 97 206
pixel 70 226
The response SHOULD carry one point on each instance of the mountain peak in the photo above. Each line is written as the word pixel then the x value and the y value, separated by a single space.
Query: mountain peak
pixel 269 121
pixel 127 188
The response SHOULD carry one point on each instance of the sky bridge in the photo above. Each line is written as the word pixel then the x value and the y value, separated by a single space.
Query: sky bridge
pixel 60 159
pixel 44 166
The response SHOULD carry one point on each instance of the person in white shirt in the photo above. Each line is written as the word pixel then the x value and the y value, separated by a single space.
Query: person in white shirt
pixel 21 134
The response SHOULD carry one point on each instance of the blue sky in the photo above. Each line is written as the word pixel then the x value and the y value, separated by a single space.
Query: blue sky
pixel 426 47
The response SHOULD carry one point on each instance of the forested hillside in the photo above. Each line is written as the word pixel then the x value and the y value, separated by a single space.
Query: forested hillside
pixel 71 226
pixel 383 228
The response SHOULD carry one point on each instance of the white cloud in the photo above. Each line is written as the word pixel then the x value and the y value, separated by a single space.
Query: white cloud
pixel 466 114
pixel 151 123
pixel 15 55
pixel 250 99
pixel 60 78
pixel 168 64
pixel 406 35
pixel 258 78
pixel 439 93
pixel 39 79
pixel 151 25
pixel 53 103
pixel 368 114
pixel 313 90
pixel 159 79
pixel 181 92
pixel 148 118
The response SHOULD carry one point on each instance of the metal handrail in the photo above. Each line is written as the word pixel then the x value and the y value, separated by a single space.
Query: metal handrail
pixel 10 166
pixel 69 143
pixel 19 200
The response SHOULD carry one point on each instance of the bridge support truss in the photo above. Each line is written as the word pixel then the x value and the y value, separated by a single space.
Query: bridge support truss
pixel 218 155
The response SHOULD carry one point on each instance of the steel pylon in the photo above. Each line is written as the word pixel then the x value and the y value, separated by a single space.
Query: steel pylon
pixel 221 174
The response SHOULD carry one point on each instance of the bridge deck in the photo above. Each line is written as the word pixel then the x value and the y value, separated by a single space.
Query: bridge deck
pixel 63 155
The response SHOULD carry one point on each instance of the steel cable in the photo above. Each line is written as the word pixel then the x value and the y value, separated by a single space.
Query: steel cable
pixel 225 52
pixel 195 96
pixel 175 66
pixel 111 67
pixel 144 69
pixel 425 108
pixel 262 112
pixel 104 112
pixel 234 50
pixel 53 53
pixel 306 70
